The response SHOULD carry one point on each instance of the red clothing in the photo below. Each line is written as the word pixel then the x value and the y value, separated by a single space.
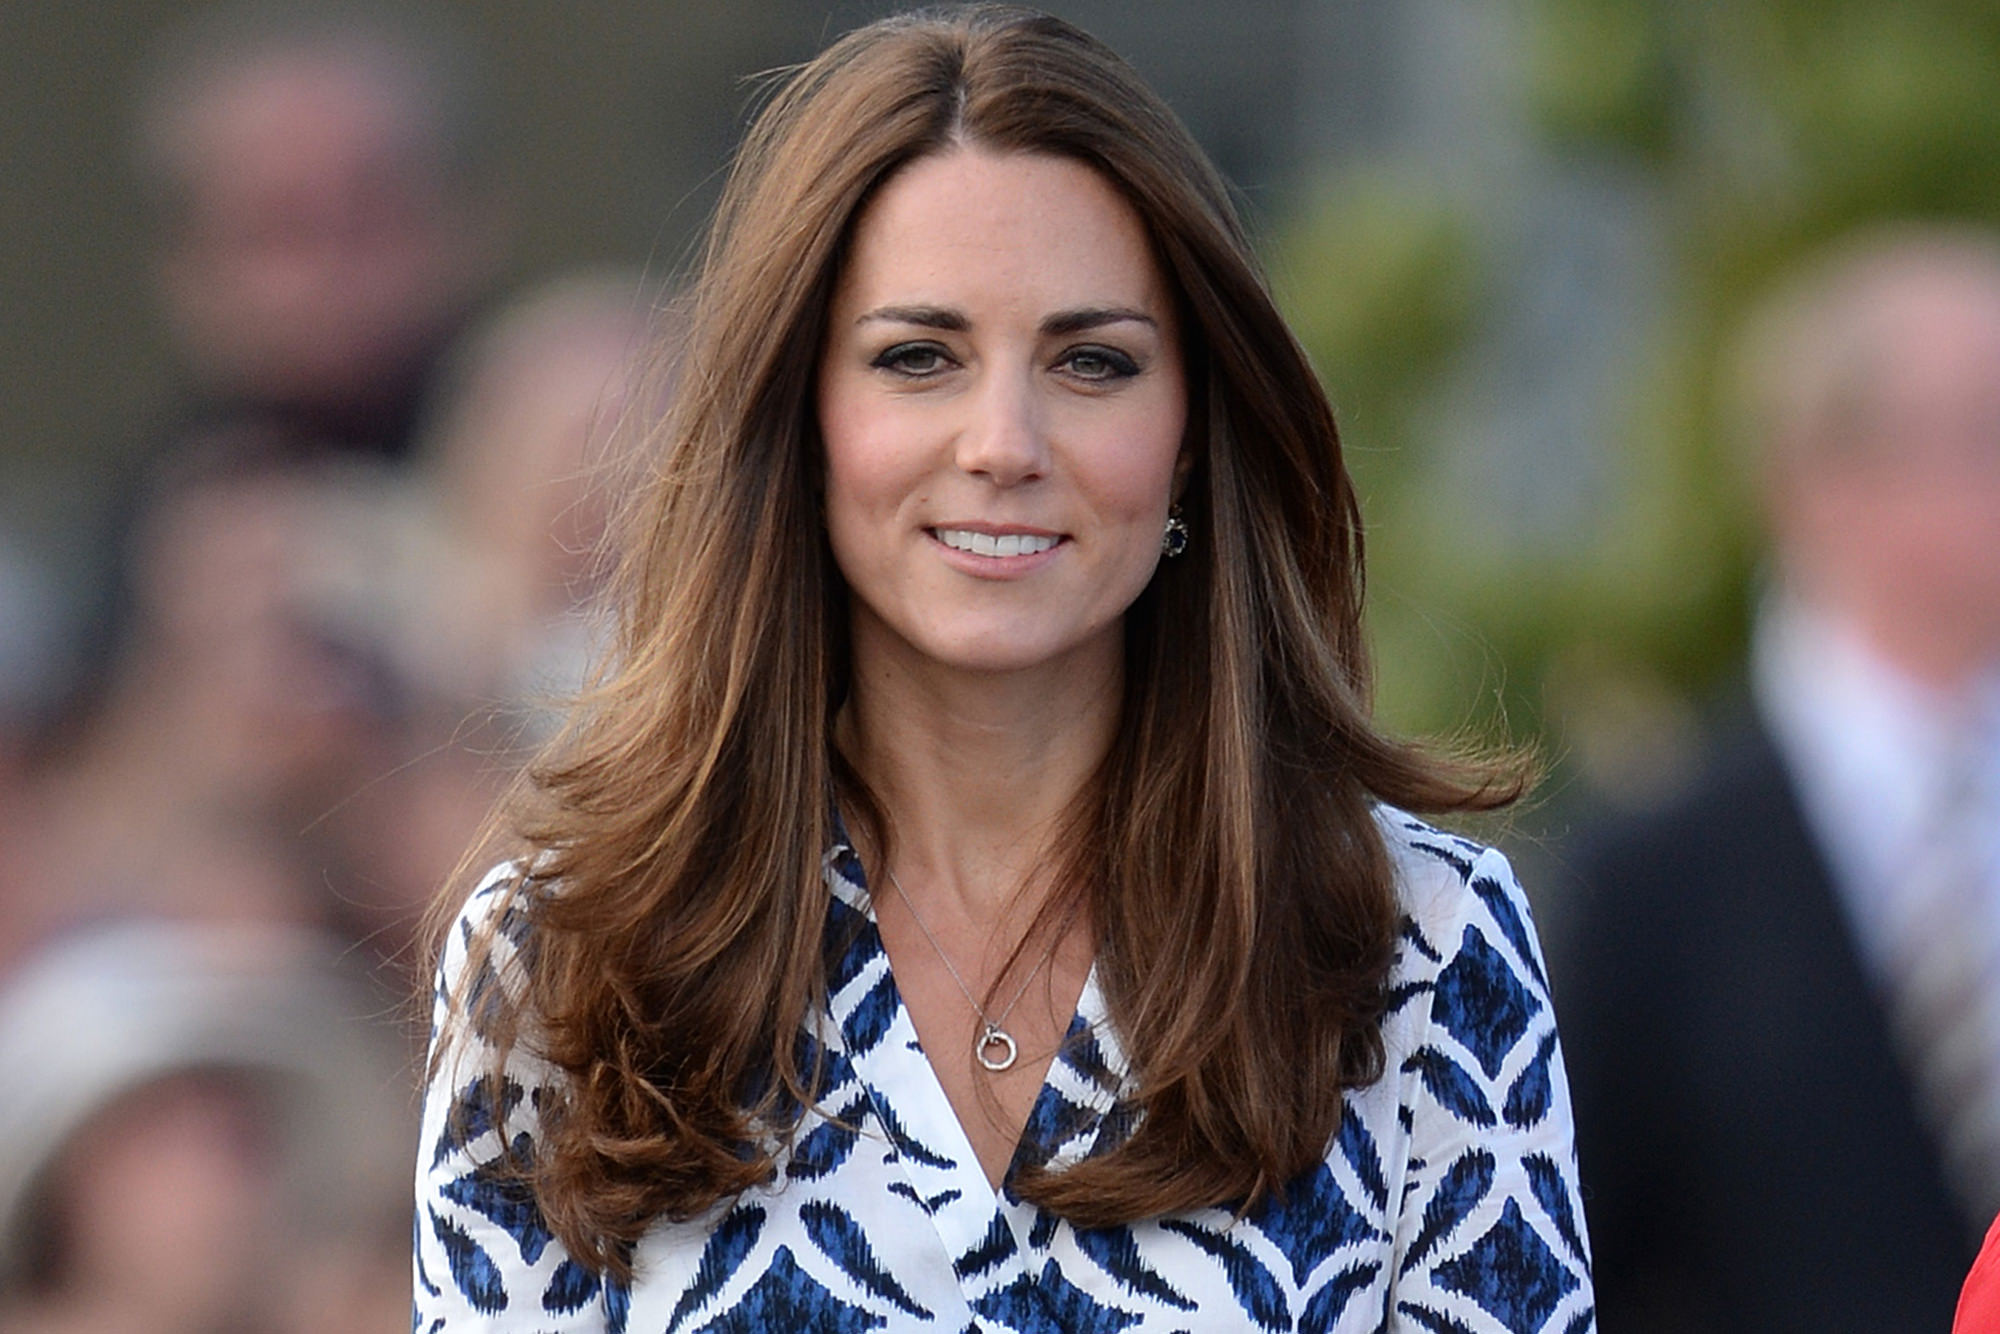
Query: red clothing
pixel 1979 1302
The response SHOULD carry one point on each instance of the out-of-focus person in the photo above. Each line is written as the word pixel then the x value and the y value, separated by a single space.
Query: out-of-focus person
pixel 255 692
pixel 197 1136
pixel 1783 1003
pixel 324 220
pixel 326 226
pixel 511 484
pixel 522 465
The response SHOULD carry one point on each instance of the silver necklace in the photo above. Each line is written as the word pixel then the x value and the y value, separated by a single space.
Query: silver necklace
pixel 992 1036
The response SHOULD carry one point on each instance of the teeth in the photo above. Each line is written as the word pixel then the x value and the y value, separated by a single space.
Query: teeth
pixel 989 544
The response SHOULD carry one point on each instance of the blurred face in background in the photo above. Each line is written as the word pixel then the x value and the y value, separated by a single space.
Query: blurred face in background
pixel 530 426
pixel 250 670
pixel 1886 503
pixel 317 244
pixel 159 1207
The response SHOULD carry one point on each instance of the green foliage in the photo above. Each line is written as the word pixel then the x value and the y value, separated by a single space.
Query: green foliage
pixel 1597 72
pixel 1379 278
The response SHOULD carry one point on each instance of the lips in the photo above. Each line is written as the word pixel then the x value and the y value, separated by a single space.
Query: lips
pixel 995 544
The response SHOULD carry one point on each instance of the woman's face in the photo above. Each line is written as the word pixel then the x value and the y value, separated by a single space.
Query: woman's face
pixel 1002 402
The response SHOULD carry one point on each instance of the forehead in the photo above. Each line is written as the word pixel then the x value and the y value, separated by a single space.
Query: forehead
pixel 302 116
pixel 1009 228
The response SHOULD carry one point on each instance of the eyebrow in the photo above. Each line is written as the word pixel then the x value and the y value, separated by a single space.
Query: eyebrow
pixel 928 317
pixel 1062 322
pixel 1095 317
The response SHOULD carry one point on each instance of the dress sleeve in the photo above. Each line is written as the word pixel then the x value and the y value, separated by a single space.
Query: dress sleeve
pixel 484 1258
pixel 1489 1236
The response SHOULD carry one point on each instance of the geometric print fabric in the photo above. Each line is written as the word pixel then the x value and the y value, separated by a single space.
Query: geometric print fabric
pixel 1447 1201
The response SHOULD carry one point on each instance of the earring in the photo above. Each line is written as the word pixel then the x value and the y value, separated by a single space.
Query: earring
pixel 1175 540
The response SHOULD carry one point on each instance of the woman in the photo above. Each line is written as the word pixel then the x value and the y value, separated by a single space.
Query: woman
pixel 973 897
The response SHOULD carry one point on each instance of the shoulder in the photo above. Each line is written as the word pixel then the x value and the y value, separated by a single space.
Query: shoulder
pixel 496 906
pixel 482 959
pixel 1459 899
pixel 485 1256
pixel 1491 1218
pixel 1470 1024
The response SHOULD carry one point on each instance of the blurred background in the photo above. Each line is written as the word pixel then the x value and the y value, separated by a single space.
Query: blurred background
pixel 317 320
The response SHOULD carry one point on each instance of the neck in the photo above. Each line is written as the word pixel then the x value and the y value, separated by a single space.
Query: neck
pixel 978 773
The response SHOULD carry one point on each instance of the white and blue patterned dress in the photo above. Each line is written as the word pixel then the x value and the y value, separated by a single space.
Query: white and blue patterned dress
pixel 1447 1201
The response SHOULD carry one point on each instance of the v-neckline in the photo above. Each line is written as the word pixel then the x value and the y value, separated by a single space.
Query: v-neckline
pixel 1080 1089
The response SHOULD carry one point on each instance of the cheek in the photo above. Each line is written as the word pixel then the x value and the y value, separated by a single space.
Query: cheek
pixel 865 477
pixel 870 474
pixel 1138 493
pixel 844 433
pixel 1134 477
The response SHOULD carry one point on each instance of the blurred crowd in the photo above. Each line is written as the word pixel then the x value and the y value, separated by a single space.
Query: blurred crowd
pixel 341 597
pixel 347 588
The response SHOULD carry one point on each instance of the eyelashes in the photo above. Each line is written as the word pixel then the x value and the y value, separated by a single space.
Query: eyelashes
pixel 918 360
pixel 1092 363
pixel 1098 363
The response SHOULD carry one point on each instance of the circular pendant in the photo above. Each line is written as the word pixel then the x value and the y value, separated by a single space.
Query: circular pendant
pixel 995 1036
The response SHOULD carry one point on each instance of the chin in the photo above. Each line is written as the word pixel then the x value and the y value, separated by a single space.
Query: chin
pixel 1012 653
pixel 986 659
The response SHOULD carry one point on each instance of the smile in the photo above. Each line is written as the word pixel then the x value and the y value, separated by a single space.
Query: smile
pixel 995 544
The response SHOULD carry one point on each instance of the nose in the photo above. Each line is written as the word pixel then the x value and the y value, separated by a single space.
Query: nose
pixel 1005 439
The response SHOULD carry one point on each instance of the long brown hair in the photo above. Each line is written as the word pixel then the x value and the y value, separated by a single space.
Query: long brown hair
pixel 1227 854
